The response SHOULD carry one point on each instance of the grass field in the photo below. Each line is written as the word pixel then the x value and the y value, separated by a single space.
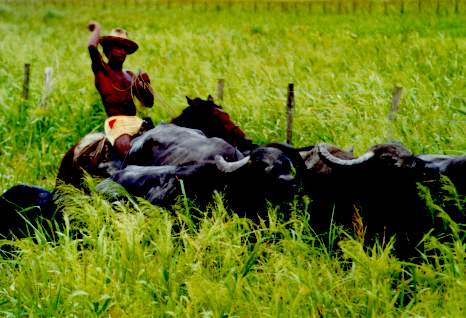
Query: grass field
pixel 129 262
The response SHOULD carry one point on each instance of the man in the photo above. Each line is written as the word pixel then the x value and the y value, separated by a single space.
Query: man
pixel 117 87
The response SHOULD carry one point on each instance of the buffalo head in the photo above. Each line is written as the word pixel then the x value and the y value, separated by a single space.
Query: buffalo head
pixel 213 121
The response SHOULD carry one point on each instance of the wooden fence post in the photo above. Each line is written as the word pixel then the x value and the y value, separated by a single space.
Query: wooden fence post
pixel 396 98
pixel 220 86
pixel 47 85
pixel 27 74
pixel 402 7
pixel 289 114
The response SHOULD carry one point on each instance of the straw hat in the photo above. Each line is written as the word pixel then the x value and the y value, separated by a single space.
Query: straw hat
pixel 119 37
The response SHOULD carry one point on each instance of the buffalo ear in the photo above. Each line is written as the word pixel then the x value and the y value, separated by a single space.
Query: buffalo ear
pixel 210 98
pixel 190 101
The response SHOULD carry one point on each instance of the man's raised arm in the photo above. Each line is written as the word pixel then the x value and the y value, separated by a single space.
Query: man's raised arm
pixel 94 27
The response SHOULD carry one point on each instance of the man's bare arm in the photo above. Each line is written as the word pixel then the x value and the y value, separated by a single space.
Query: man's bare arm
pixel 96 58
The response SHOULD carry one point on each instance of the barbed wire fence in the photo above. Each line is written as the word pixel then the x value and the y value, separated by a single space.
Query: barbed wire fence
pixel 392 101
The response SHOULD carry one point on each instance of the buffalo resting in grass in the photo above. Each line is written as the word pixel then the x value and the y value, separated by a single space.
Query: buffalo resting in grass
pixel 374 196
pixel 377 195
pixel 267 174
pixel 26 209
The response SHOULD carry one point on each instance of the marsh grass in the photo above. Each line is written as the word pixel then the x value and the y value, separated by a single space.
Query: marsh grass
pixel 127 258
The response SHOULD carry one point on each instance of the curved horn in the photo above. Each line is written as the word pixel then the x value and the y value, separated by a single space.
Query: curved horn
pixel 228 167
pixel 325 154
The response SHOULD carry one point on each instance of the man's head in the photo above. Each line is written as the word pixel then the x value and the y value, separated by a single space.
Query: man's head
pixel 115 53
pixel 116 45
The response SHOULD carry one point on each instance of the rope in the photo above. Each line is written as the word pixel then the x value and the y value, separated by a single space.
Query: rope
pixel 133 88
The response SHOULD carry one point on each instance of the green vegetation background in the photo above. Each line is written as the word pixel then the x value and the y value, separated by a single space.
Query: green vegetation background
pixel 344 68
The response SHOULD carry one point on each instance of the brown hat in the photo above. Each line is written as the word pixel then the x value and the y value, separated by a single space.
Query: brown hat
pixel 119 37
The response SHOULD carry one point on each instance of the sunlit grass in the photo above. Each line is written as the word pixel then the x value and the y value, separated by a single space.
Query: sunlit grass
pixel 131 259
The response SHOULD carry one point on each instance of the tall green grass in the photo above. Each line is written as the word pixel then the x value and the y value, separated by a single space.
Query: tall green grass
pixel 132 259
pixel 129 262
pixel 344 69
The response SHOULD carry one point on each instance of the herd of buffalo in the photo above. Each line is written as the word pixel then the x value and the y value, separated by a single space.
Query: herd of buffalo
pixel 202 150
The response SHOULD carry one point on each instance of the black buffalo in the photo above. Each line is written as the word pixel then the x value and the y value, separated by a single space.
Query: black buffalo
pixel 377 195
pixel 24 209
pixel 268 174
pixel 453 167
pixel 169 144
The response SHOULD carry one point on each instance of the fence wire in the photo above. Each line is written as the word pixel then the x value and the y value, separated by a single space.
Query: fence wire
pixel 304 6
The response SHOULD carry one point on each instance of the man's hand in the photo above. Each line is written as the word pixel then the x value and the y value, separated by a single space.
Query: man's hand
pixel 143 76
pixel 144 91
pixel 93 42
pixel 93 25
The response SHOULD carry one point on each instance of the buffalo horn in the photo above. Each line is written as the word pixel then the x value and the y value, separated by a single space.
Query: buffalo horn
pixel 228 167
pixel 324 153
